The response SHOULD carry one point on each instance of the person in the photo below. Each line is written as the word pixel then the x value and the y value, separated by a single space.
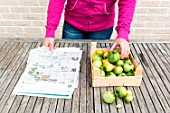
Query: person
pixel 91 19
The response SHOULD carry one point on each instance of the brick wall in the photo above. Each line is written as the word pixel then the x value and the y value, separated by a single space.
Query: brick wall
pixel 27 18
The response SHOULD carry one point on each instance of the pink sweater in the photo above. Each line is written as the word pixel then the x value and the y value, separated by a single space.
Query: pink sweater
pixel 91 15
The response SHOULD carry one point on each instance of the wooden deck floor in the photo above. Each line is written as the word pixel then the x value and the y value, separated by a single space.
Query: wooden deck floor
pixel 153 96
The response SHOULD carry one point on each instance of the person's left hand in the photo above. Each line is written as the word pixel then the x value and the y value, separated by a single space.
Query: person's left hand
pixel 124 45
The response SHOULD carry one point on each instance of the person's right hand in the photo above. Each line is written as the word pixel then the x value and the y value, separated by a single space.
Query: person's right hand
pixel 49 42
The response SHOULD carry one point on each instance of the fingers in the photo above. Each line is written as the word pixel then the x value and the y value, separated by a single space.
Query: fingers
pixel 124 45
pixel 113 46
pixel 51 46
pixel 125 50
pixel 49 42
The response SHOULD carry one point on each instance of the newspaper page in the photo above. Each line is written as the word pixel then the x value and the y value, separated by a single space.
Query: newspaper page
pixel 50 74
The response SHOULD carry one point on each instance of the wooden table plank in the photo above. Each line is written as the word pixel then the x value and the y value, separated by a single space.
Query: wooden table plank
pixel 15 104
pixel 90 102
pixel 165 52
pixel 82 76
pixel 11 81
pixel 146 88
pixel 7 58
pixel 157 79
pixel 4 93
pixel 5 47
pixel 161 61
pixel 149 81
pixel 46 105
pixel 9 66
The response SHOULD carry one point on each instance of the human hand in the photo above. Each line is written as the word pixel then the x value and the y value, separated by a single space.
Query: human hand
pixel 124 45
pixel 49 42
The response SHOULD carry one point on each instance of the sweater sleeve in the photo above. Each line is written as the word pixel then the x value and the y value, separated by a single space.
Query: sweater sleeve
pixel 125 16
pixel 55 9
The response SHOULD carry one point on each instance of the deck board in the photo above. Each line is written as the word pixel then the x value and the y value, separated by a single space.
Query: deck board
pixel 152 96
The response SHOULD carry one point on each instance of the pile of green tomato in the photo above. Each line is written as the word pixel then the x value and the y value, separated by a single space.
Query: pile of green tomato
pixel 121 92
pixel 111 64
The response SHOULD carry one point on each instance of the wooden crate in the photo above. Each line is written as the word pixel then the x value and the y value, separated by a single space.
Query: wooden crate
pixel 98 81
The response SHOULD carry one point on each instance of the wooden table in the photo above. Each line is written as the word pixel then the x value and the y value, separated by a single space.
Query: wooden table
pixel 153 96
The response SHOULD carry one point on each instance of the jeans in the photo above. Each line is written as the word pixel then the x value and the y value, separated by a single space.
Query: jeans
pixel 70 32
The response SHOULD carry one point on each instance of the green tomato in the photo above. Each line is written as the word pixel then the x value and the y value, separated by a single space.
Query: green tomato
pixel 114 56
pixel 110 74
pixel 118 70
pixel 121 92
pixel 119 106
pixel 127 60
pixel 128 98
pixel 132 67
pixel 120 63
pixel 97 63
pixel 96 57
pixel 130 73
pixel 105 54
pixel 102 73
pixel 109 67
pixel 108 97
pixel 126 67
pixel 100 52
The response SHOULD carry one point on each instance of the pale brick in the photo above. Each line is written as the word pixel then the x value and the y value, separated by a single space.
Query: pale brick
pixel 44 16
pixel 143 31
pixel 38 10
pixel 32 30
pixel 166 25
pixel 163 18
pixel 4 9
pixel 138 24
pixel 19 10
pixel 165 37
pixel 6 23
pixel 146 18
pixel 43 29
pixel 11 16
pixel 39 35
pixel 2 29
pixel 22 23
pixel 150 37
pixel 7 35
pixel 25 35
pixel 39 23
pixel 161 31
pixel 14 29
pixel 154 25
pixel 140 10
pixel 28 3
pixel 149 3
pixel 9 2
pixel 165 4
pixel 43 2
pixel 158 10
pixel 135 37
pixel 31 17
